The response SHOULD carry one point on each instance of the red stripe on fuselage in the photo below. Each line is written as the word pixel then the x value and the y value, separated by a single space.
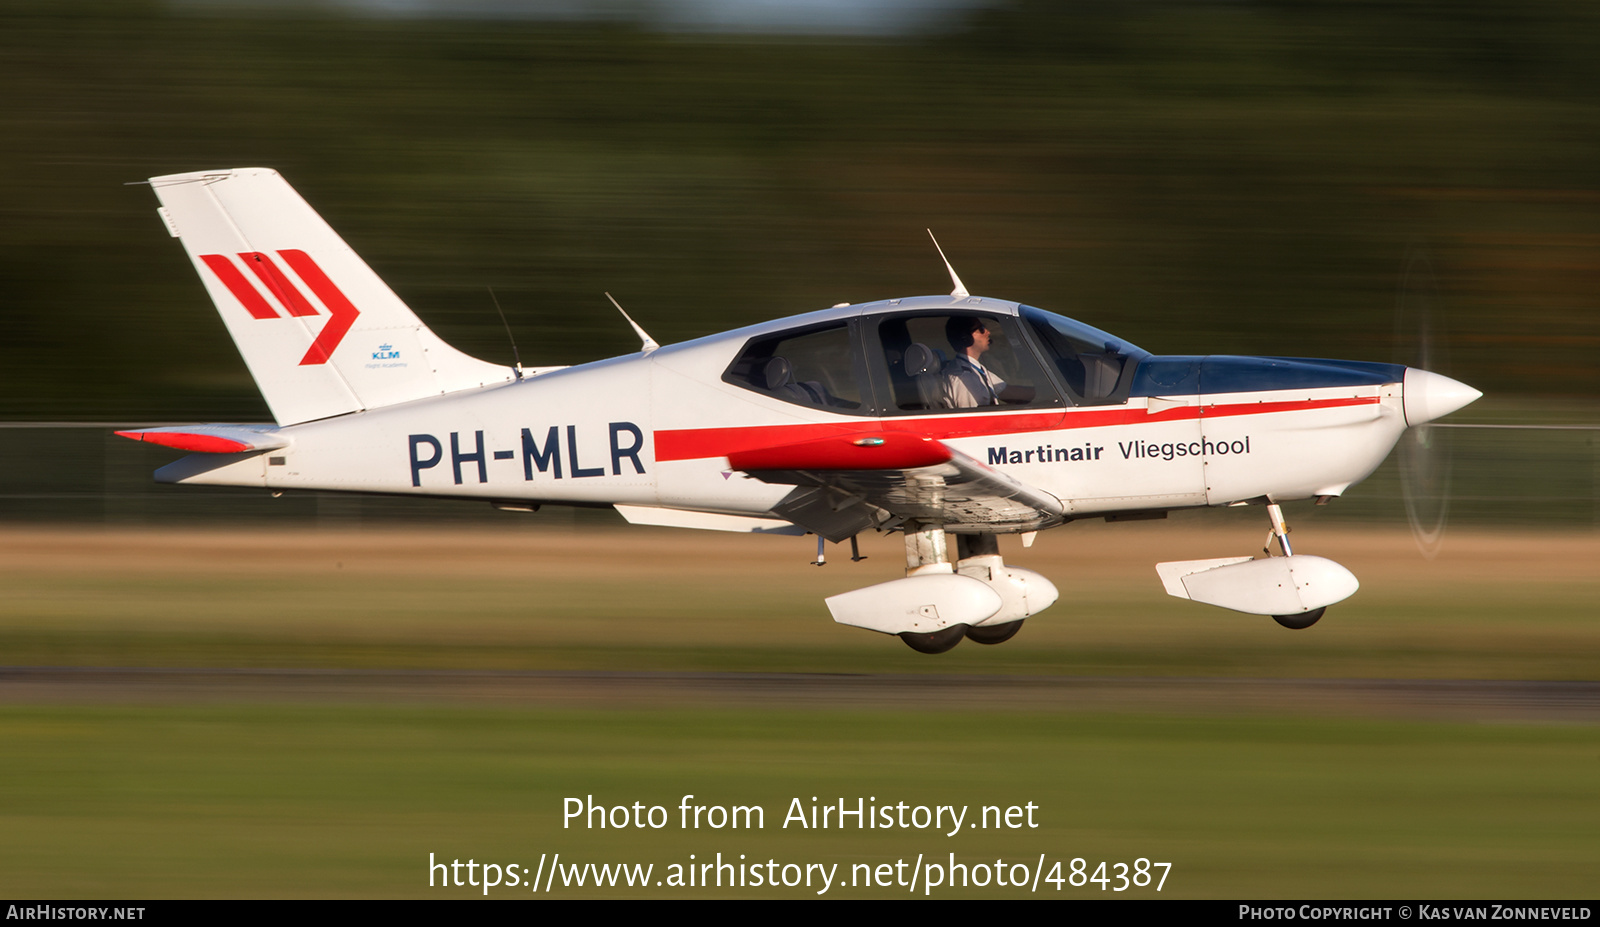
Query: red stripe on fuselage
pixel 1292 405
pixel 239 286
pixel 279 284
pixel 341 312
pixel 696 443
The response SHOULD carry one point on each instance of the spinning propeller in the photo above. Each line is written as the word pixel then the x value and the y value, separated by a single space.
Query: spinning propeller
pixel 1425 451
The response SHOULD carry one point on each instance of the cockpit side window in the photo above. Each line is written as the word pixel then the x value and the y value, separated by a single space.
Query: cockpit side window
pixel 817 368
pixel 1092 363
pixel 947 361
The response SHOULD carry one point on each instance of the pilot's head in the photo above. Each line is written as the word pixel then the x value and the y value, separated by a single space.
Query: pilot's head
pixel 963 330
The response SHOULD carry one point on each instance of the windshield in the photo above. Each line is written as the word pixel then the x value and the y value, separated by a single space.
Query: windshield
pixel 1090 361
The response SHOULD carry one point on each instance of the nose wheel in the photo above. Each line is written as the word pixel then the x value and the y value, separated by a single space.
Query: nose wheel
pixel 1302 621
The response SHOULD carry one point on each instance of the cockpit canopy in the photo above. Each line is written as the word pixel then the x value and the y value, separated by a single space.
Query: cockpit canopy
pixel 939 360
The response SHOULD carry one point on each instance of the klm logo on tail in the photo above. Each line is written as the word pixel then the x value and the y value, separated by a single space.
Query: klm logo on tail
pixel 341 312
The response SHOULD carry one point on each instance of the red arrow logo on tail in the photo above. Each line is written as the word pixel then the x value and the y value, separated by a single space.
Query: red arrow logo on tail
pixel 277 283
pixel 341 312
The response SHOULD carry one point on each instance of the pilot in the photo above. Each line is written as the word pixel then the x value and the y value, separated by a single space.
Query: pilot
pixel 967 383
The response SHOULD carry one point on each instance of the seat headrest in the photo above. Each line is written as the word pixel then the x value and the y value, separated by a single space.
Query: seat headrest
pixel 778 373
pixel 920 359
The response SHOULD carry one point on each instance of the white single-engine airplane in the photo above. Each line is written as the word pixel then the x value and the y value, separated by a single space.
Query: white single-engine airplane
pixel 932 415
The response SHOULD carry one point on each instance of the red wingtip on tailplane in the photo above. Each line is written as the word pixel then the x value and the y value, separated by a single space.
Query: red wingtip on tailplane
pixel 207 444
pixel 211 439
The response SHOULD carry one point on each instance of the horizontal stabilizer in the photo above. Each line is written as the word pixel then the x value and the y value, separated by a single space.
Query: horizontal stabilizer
pixel 212 439
pixel 1272 586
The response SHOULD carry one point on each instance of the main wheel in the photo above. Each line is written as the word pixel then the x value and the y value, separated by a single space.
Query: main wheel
pixel 935 641
pixel 1302 621
pixel 995 633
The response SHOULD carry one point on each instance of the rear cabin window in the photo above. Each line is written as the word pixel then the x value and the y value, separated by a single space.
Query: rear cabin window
pixel 817 368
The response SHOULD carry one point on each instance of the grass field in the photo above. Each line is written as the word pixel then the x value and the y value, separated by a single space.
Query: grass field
pixel 241 800
pixel 213 791
pixel 1493 606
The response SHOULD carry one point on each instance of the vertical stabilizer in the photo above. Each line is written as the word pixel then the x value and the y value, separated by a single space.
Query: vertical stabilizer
pixel 321 334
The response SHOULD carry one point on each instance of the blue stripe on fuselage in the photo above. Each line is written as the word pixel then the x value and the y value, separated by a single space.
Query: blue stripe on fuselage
pixel 1189 375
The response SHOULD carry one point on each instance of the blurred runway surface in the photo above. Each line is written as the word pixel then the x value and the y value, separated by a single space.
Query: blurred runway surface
pixel 1410 698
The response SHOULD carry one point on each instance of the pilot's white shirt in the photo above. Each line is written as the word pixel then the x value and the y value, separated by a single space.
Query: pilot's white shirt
pixel 968 384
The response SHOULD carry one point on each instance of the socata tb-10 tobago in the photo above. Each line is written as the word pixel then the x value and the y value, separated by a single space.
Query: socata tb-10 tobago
pixel 935 416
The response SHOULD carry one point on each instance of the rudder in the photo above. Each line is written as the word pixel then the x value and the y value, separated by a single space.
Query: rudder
pixel 321 333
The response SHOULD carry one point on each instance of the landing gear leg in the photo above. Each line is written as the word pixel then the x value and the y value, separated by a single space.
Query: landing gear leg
pixel 984 545
pixel 977 545
pixel 1280 530
pixel 927 552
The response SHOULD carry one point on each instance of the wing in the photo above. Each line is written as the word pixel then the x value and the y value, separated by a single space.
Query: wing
pixel 846 484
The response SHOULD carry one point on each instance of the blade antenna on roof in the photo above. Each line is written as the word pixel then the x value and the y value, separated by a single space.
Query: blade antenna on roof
pixel 516 358
pixel 648 343
pixel 960 288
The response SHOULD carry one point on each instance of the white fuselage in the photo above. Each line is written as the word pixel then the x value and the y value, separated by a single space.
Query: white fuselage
pixel 656 430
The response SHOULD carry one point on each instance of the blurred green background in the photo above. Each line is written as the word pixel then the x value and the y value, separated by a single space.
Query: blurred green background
pixel 1197 177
